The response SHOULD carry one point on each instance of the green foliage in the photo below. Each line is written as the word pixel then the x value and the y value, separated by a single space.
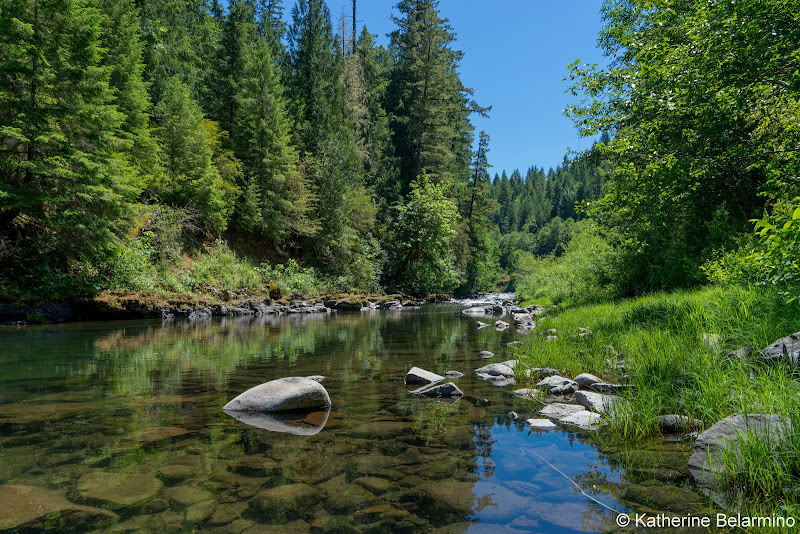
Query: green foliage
pixel 422 261
pixel 582 273
pixel 779 235
pixel 696 95
pixel 292 278
pixel 66 177
pixel 190 178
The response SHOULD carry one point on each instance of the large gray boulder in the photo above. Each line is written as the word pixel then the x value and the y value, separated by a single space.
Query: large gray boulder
pixel 558 385
pixel 785 349
pixel 420 376
pixel 596 402
pixel 496 369
pixel 706 462
pixel 289 394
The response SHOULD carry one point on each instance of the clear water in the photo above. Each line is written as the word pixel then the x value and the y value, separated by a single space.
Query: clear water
pixel 121 425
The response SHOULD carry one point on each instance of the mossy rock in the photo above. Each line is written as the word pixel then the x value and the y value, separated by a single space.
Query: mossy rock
pixel 274 291
pixel 286 503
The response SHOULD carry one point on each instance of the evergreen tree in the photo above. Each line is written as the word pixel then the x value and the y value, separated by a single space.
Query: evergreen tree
pixel 190 179
pixel 277 200
pixel 65 147
pixel 430 105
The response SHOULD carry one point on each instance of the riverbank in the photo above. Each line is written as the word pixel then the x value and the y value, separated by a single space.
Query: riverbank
pixel 693 353
pixel 120 305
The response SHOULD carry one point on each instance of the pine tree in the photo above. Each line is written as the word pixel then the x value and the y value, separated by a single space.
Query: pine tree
pixel 431 107
pixel 275 184
pixel 190 179
pixel 63 183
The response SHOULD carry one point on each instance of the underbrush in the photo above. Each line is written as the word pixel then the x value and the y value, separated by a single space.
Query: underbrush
pixel 678 349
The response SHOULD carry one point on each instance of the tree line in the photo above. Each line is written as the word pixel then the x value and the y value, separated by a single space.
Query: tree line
pixel 135 132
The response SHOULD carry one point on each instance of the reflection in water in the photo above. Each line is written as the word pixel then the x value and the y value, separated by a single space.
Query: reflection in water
pixel 83 407
pixel 299 424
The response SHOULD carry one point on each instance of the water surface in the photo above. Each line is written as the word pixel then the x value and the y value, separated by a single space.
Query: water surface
pixel 121 424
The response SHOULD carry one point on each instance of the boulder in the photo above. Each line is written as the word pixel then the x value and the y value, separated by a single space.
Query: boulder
pixel 282 395
pixel 448 390
pixel 510 363
pixel 421 376
pixel 496 369
pixel 522 319
pixel 349 304
pixel 486 354
pixel 537 373
pixel 541 424
pixel 558 385
pixel 586 380
pixel 31 508
pixel 479 310
pixel 705 464
pixel 596 402
pixel 558 410
pixel 585 420
pixel 786 349
pixel 673 424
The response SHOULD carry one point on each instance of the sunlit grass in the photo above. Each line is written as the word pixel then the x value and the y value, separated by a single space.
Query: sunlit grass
pixel 675 348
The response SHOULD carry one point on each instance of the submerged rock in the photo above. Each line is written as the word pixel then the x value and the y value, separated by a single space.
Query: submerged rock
pixel 723 438
pixel 287 502
pixel 481 325
pixel 30 508
pixel 448 390
pixel 501 325
pixel 486 354
pixel 558 410
pixel 282 395
pixel 584 419
pixel 785 349
pixel 541 424
pixel 453 374
pixel 420 376
pixel 118 489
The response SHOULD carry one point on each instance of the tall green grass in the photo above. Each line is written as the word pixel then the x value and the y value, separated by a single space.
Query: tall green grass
pixel 659 343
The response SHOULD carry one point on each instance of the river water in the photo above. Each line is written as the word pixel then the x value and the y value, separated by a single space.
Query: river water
pixel 118 427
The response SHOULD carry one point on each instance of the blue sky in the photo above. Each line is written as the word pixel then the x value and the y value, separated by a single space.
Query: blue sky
pixel 515 58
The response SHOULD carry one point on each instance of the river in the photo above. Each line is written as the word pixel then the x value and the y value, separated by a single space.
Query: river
pixel 118 427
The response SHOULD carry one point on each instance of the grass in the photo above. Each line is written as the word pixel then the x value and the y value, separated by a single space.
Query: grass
pixel 675 349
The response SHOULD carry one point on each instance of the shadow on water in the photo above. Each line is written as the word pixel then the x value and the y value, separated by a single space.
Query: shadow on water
pixel 117 427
